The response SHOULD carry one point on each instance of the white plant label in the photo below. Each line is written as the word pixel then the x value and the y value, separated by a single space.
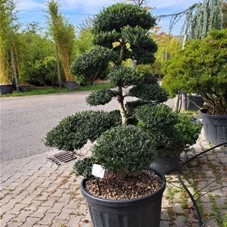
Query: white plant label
pixel 98 171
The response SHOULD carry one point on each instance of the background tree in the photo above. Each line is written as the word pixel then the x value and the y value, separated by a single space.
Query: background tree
pixel 63 34
pixel 36 56
pixel 7 31
pixel 84 41
pixel 224 12
pixel 203 18
pixel 168 47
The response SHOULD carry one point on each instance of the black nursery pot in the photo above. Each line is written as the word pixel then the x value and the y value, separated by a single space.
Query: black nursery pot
pixel 6 89
pixel 141 212
pixel 195 99
pixel 71 85
pixel 215 127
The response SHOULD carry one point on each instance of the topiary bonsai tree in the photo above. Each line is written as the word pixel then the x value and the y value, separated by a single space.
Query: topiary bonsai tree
pixel 169 132
pixel 201 68
pixel 119 30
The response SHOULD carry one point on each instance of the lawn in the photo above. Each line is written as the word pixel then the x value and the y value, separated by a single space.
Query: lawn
pixel 51 90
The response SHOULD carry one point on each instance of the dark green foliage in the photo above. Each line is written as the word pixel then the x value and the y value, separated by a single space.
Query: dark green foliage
pixel 189 131
pixel 124 76
pixel 201 68
pixel 155 117
pixel 100 97
pixel 74 131
pixel 149 92
pixel 170 132
pixel 106 39
pixel 99 58
pixel 124 148
pixel 84 167
pixel 131 106
pixel 126 25
pixel 140 44
pixel 120 15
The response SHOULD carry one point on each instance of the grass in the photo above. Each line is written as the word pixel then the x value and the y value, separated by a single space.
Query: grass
pixel 51 90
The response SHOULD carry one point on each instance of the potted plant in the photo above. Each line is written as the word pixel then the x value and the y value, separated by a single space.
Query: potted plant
pixel 171 134
pixel 201 68
pixel 121 148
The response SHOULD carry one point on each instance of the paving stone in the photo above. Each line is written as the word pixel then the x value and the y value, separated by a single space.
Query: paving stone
pixel 47 219
pixel 73 221
pixel 30 222
pixel 5 219
pixel 66 213
pixel 13 224
pixel 40 212
pixel 57 208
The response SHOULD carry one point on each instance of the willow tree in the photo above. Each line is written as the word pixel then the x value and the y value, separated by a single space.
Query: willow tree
pixel 63 34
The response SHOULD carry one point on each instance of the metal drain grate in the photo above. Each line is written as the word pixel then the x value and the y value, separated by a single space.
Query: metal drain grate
pixel 62 157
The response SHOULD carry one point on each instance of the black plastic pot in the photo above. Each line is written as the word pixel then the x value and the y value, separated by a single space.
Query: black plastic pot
pixel 141 212
pixel 71 85
pixel 194 102
pixel 215 127
pixel 166 165
pixel 6 89
pixel 24 88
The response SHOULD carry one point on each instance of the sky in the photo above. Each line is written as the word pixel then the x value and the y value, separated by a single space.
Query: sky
pixel 76 11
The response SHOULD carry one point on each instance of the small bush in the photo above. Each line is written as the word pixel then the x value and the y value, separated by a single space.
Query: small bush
pixel 124 149
pixel 170 132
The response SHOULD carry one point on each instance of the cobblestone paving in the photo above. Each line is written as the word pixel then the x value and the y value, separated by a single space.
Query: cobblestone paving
pixel 35 192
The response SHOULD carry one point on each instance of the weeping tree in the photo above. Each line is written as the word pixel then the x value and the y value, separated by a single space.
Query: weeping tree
pixel 203 18
pixel 200 18
pixel 63 34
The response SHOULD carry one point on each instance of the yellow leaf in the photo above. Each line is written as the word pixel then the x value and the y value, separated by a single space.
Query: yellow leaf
pixel 116 44
pixel 128 46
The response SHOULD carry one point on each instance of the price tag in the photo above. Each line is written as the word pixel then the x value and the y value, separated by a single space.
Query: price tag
pixel 98 171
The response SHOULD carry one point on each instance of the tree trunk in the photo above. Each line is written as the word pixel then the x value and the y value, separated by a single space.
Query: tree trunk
pixel 14 67
pixel 120 100
pixel 58 68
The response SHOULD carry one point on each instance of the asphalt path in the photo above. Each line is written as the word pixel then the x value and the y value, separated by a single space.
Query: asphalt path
pixel 24 121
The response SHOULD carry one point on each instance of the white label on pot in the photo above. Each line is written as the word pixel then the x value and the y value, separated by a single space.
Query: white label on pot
pixel 98 171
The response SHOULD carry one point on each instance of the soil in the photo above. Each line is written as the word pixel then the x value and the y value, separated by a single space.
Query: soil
pixel 135 185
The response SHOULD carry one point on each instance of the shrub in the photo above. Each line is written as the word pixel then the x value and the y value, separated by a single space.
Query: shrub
pixel 123 148
pixel 170 132
pixel 201 68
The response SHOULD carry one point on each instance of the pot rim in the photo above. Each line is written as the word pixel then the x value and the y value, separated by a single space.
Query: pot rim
pixel 126 201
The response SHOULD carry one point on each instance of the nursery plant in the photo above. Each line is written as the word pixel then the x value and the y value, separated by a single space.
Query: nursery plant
pixel 121 148
pixel 201 68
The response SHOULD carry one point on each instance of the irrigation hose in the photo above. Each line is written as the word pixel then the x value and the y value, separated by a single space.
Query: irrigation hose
pixel 200 221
